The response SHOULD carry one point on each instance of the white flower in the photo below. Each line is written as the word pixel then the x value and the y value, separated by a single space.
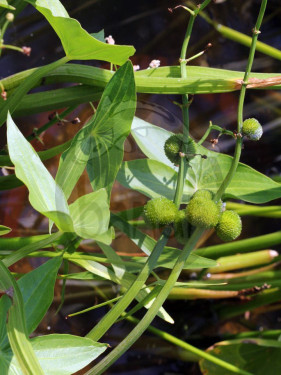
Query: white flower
pixel 109 39
pixel 154 64
pixel 136 67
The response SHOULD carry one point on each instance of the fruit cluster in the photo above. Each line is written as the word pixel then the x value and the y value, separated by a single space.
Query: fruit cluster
pixel 201 211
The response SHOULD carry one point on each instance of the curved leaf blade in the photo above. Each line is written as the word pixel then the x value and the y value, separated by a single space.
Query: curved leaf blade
pixel 112 126
pixel 61 354
pixel 247 183
pixel 16 326
pixel 90 214
pixel 99 144
pixel 37 289
pixel 44 194
pixel 4 230
pixel 78 44
pixel 258 356
pixel 4 4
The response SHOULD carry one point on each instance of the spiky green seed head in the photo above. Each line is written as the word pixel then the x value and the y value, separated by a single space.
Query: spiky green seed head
pixel 160 211
pixel 203 213
pixel 181 227
pixel 229 226
pixel 252 129
pixel 203 193
pixel 174 145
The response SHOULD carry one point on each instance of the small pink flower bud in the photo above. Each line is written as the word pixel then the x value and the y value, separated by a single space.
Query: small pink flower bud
pixel 136 67
pixel 154 64
pixel 109 39
pixel 26 50
pixel 4 95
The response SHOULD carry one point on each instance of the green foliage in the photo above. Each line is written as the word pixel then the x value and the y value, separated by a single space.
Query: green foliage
pixel 99 144
pixel 229 226
pixel 4 4
pixel 258 356
pixel 77 43
pixel 160 211
pixel 59 354
pixel 44 194
pixel 156 176
pixel 177 171
pixel 4 230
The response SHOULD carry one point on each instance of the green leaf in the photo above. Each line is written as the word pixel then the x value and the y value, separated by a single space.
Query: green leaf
pixel 124 279
pixel 152 178
pixel 101 139
pixel 28 246
pixel 155 177
pixel 258 356
pixel 78 44
pixel 4 230
pixel 112 126
pixel 16 326
pixel 9 182
pixel 5 304
pixel 145 134
pixel 169 254
pixel 90 214
pixel 57 354
pixel 99 36
pixel 37 289
pixel 4 4
pixel 44 194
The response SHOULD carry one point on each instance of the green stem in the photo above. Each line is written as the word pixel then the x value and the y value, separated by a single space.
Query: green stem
pixel 24 251
pixel 238 147
pixel 266 241
pixel 214 127
pixel 97 332
pixel 12 102
pixel 52 122
pixel 10 46
pixel 185 106
pixel 108 320
pixel 149 316
pixel 251 210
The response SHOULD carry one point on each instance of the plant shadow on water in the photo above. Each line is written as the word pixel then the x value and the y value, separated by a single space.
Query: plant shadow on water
pixel 155 34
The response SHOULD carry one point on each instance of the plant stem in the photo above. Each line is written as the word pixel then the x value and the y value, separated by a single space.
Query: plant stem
pixel 109 319
pixel 52 122
pixel 185 105
pixel 214 127
pixel 106 322
pixel 149 316
pixel 238 147
pixel 242 246
pixel 12 102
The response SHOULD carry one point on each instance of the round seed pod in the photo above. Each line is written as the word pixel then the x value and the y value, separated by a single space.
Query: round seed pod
pixel 252 129
pixel 181 227
pixel 174 145
pixel 160 211
pixel 229 226
pixel 203 213
pixel 203 193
